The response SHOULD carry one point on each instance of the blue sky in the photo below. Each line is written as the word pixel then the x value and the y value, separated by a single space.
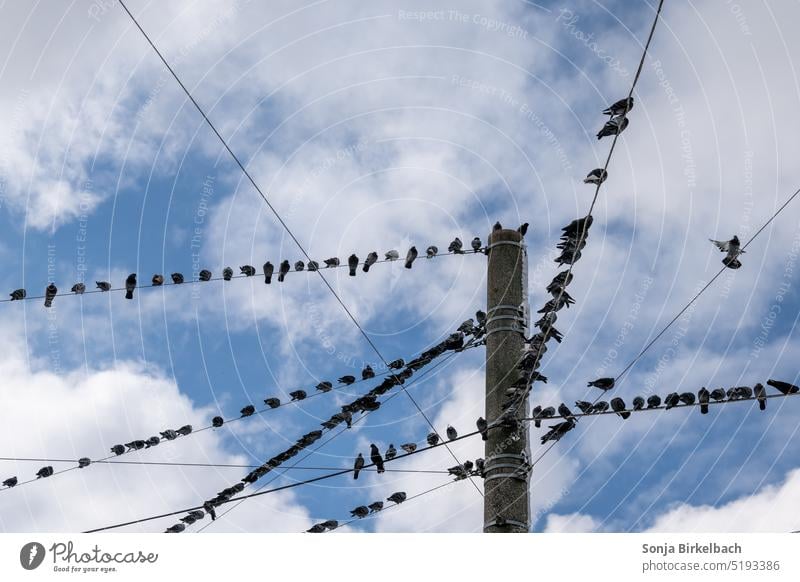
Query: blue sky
pixel 371 128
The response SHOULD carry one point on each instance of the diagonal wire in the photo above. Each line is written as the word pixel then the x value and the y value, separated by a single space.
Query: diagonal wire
pixel 284 225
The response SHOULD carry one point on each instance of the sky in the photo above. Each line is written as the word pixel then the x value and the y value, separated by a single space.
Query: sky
pixel 374 127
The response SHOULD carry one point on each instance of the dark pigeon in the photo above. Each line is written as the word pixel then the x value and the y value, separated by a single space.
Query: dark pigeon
pixel 78 288
pixel 352 263
pixel 411 256
pixel 204 275
pixel 347 380
pixel 44 472
pixel 672 400
pixel 360 512
pixel 84 462
pixel 613 126
pixel 269 270
pixel 358 465
pixel 375 507
pixel 621 107
pixel 372 258
pixel 602 383
pixel 331 263
pixel 367 372
pixel 703 397
pixel 285 267
pixel 433 439
pixel 272 402
pixel 10 482
pixel 397 497
pixel 761 395
pixel 298 395
pixel 102 285
pixel 483 427
pixel 391 452
pixel 50 294
pixel 157 280
pixel 783 387
pixel 618 406
pixel 456 247
pixel 177 278
pixel 217 421
pixel 227 273
pixel 638 403
pixel 452 434
pixel 376 458
pixel 248 410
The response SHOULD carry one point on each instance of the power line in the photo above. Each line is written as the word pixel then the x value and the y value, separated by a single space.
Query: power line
pixel 285 226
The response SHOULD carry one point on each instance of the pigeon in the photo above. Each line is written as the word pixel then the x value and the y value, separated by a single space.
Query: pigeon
pixel 217 421
pixel 204 275
pixel 672 400
pixel 557 431
pixel 783 387
pixel 78 288
pixel 547 320
pixel 654 401
pixel 431 251
pixel 565 412
pixel 102 285
pixel 152 442
pixel 599 407
pixel 136 445
pixel 376 458
pixel 391 452
pixel 411 257
pixel 227 273
pixel 360 512
pixel 433 439
pixel 84 462
pixel 185 430
pixel 130 285
pixel 313 266
pixel 299 266
pixel 687 398
pixel 732 248
pixel 269 269
pixel 177 528
pixel 537 416
pixel 717 395
pixel 396 364
pixel 602 383
pixel 10 482
pixel 177 278
pixel 618 406
pixel 638 403
pixel 744 392
pixel 169 434
pixel 702 397
pixel 316 528
pixel 44 472
pixel 247 270
pixel 568 258
pixel 209 509
pixel 272 402
pixel 584 406
pixel 761 395
pixel 497 226
pixel 559 283
pixel 50 294
pixel 157 280
pixel 358 465
pixel 476 244
pixel 367 372
pixel 397 497
pixel 375 507
pixel 352 263
pixel 451 433
pixel 248 410
pixel 284 269
pixel 483 427
pixel 331 263
pixel 331 524
pixel 621 107
pixel 298 395
pixel 409 447
pixel 613 126
pixel 577 226
pixel 118 449
pixel 523 228
pixel 347 380
pixel 596 176
pixel 480 317
pixel 372 258
pixel 456 247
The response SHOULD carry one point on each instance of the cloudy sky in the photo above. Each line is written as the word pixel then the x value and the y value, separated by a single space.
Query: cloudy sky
pixel 374 126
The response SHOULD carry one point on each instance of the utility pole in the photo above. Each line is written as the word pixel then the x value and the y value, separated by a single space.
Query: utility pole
pixel 506 507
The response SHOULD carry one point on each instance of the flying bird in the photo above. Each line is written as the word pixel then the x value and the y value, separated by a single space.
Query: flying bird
pixel 78 288
pixel 613 126
pixel 50 294
pixel 621 107
pixel 102 285
pixel 284 269
pixel 411 257
pixel 269 269
pixel 409 447
pixel 392 255
pixel 204 275
pixel 247 270
pixel 177 278
pixel 376 458
pixel 391 452
pixel 352 263
pixel 596 176
pixel 602 383
pixel 456 247
pixel 783 387
pixel 452 434
pixel 157 280
pixel 732 248
pixel 483 427
pixel 372 258
pixel 431 251
pixel 397 497
pixel 358 465
pixel 227 273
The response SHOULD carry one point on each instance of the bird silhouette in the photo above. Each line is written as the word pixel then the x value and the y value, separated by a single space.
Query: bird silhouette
pixel 392 255
pixel 620 107
pixel 50 294
pixel 10 482
pixel 783 387
pixel 130 285
pixel 396 364
pixel 653 401
pixel 397 497
pixel 118 449
pixel 177 528
pixel 102 285
pixel 687 398
pixel 367 372
pixel 347 380
pixel 177 278
pixel 217 421
pixel 483 427
pixel 371 259
pixel 613 126
pixel 596 176
pixel 352 263
pixel 456 247
pixel 298 395
pixel 204 275
pixel 375 507
pixel 285 267
pixel 584 406
pixel 248 410
pixel 672 400
pixel 638 403
pixel 476 244
pixel 391 452
pixel 376 458
pixel 411 256
pixel 247 270
pixel 452 434
pixel 272 402
pixel 523 228
pixel 599 407
pixel 409 447
pixel 44 472
pixel 618 406
pixel 703 397
pixel 312 266
pixel 358 465
pixel 157 280
pixel 717 395
pixel 602 383
pixel 84 462
pixel 227 273
pixel 433 439
pixel 78 288
pixel 299 266
pixel 761 395
pixel 565 412
pixel 185 430
pixel 269 270
pixel 558 430
pixel 431 251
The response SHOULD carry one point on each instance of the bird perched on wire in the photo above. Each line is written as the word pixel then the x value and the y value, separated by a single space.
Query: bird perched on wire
pixel 559 283
pixel 433 439
pixel 371 259
pixel 620 107
pixel 703 396
pixel 732 248
pixel 177 278
pixel 558 430
pixel 654 401
pixel 783 387
pixel 761 395
pixel 687 398
pixel 391 452
pixel 396 364
pixel 411 256
pixel 44 472
pixel 78 288
pixel 130 285
pixel 177 528
pixel 204 275
pixel 352 263
pixel 452 434
pixel 613 126
pixel 717 395
pixel 584 406
pixel 638 403
pixel 397 497
pixel 284 269
pixel 347 380
pixel 102 285
pixel 248 410
pixel 375 507
pixel 227 273
pixel 565 412
pixel 312 266
pixel 84 462
pixel 217 421
pixel 456 247
pixel 299 266
pixel 476 244
pixel 157 280
pixel 298 395
pixel 574 228
pixel 483 427
pixel 247 270
pixel 618 406
pixel 50 294
pixel 431 251
pixel 118 449
pixel 358 465
pixel 376 458
pixel 409 447
pixel 10 482
pixel 169 434
pixel 599 407
pixel 185 430
pixel 596 176
pixel 672 400
pixel 367 372
pixel 360 512
pixel 602 383
pixel 152 442
pixel 272 402
pixel 268 269
pixel 391 255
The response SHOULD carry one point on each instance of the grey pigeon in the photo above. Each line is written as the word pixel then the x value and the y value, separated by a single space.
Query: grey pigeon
pixel 476 244
pixel 565 412
pixel 272 402
pixel 204 275
pixel 483 427
pixel 638 403
pixel 130 285
pixel 397 497
pixel 375 507
pixel 298 395
pixel 480 317
pixel 84 462
pixel 136 445
pixel 376 458
pixel 672 400
pixel 584 406
pixel 44 472
pixel 247 270
pixel 687 398
pixel 185 430
pixel 169 434
pixel 411 256
pixel 783 387
pixel 618 406
pixel 299 266
pixel 577 226
pixel 717 395
pixel 352 263
pixel 227 273
pixel 596 176
pixel 452 434
pixel 331 524
pixel 456 247
pixel 284 269
pixel 152 442
pixel 431 251
pixel 217 421
pixel 497 226
pixel 433 439
pixel 602 383
pixel 102 285
pixel 50 294
pixel 537 416
pixel 347 380
pixel 209 509
pixel 118 449
pixel 313 266
pixel 557 431
pixel 621 107
pixel 371 259
pixel 157 280
pixel 331 263
pixel 10 482
pixel 367 372
pixel 523 228
pixel 248 410
pixel 653 401
pixel 409 447
pixel 761 395
pixel 391 452
pixel 613 126
pixel 360 512
pixel 78 288
pixel 324 386
pixel 316 528
pixel 392 255
pixel 703 397
pixel 599 407
pixel 358 465
pixel 177 278
pixel 177 528
pixel 269 269
pixel 396 364
pixel 732 248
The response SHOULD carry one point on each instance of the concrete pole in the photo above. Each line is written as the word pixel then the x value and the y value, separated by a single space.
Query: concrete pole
pixel 506 484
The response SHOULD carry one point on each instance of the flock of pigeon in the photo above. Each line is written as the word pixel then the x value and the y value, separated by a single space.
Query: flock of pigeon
pixel 364 404
pixel 360 512
pixel 284 268
pixel 672 400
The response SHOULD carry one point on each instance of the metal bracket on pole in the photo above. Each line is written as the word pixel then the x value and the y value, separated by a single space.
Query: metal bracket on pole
pixel 514 307
pixel 505 328
pixel 499 317
pixel 503 521
pixel 506 242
